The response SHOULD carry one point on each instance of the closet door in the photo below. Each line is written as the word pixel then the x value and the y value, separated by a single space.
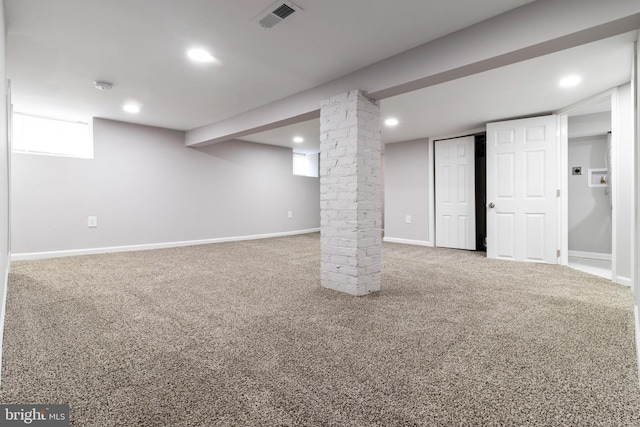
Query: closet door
pixel 455 193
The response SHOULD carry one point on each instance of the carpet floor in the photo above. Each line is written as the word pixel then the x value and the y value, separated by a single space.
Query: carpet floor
pixel 242 334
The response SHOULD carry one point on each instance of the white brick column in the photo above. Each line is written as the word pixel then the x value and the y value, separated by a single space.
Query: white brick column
pixel 350 193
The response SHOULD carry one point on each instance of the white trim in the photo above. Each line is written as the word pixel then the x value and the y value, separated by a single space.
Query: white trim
pixel 596 99
pixel 590 255
pixel 636 317
pixel 431 171
pixel 408 241
pixel 635 264
pixel 472 132
pixel 614 179
pixel 3 307
pixel 563 185
pixel 621 280
pixel 146 247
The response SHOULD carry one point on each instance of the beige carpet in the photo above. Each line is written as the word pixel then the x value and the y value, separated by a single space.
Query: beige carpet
pixel 242 334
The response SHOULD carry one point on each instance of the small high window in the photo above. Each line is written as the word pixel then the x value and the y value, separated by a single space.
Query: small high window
pixel 39 135
pixel 305 164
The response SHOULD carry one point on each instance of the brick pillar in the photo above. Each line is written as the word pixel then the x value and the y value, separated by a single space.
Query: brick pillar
pixel 350 193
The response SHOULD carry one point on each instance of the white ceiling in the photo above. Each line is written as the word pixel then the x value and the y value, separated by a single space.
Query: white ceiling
pixel 56 49
pixel 522 89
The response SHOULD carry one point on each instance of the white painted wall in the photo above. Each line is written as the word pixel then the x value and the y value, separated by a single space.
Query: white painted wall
pixel 589 207
pixel 146 187
pixel 406 190
pixel 590 124
pixel 623 183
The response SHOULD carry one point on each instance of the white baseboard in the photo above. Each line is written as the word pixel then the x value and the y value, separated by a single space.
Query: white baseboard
pixel 408 241
pixel 3 306
pixel 636 316
pixel 146 247
pixel 590 255
pixel 625 281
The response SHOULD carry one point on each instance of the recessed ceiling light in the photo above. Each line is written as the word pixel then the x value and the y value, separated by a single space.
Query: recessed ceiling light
pixel 391 122
pixel 570 81
pixel 131 108
pixel 298 139
pixel 200 55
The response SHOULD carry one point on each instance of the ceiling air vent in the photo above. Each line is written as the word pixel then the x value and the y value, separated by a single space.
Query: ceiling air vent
pixel 276 13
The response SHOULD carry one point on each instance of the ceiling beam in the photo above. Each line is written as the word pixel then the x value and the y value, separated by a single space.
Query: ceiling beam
pixel 535 29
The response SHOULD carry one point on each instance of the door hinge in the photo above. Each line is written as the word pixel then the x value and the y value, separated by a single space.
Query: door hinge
pixel 558 253
pixel 557 193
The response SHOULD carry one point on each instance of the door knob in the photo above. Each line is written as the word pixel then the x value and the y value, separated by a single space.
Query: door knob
pixel 492 205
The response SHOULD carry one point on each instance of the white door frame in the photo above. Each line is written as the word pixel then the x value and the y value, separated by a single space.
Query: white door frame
pixel 635 243
pixel 563 165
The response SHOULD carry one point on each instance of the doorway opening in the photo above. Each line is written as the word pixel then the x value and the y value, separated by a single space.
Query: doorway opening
pixel 589 190
pixel 481 191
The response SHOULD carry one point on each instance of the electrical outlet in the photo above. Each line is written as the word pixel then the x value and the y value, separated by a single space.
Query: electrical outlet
pixel 407 219
pixel 92 221
pixel 290 214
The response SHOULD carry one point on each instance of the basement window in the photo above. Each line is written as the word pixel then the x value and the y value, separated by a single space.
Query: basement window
pixel 305 164
pixel 52 137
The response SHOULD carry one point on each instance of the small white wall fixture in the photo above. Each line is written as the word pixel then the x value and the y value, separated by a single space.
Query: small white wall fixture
pixel 598 178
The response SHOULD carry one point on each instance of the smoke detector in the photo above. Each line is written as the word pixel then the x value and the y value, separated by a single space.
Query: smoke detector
pixel 277 13
pixel 102 85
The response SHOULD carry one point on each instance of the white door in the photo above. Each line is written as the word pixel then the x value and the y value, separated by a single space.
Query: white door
pixel 455 193
pixel 522 204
